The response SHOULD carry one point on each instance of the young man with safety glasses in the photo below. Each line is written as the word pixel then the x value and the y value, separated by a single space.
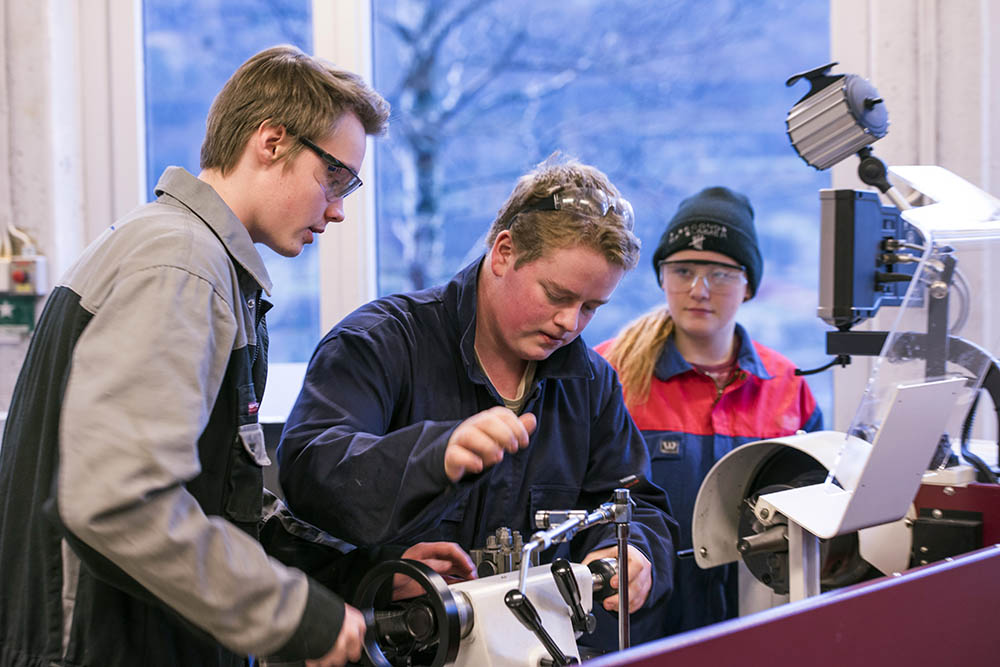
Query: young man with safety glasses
pixel 697 385
pixel 135 528
pixel 448 413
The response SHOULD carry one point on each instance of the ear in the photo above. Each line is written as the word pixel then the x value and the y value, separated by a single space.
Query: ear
pixel 502 254
pixel 748 294
pixel 268 143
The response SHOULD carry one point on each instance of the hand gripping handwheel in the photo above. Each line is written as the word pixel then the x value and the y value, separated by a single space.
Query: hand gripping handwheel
pixel 425 630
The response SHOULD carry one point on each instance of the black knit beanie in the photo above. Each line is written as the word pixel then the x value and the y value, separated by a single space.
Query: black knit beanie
pixel 715 219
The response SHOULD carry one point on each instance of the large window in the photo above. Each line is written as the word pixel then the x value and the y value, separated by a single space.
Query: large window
pixel 664 97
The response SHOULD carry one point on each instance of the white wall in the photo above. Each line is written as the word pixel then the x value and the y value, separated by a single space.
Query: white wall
pixel 40 183
pixel 70 120
pixel 934 64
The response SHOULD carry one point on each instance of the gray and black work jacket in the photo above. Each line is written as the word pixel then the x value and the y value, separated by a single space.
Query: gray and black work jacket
pixel 130 473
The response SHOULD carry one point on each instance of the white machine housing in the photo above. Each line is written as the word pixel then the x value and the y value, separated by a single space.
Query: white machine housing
pixel 497 638
pixel 715 525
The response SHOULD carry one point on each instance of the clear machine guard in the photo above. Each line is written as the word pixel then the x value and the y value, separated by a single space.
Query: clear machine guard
pixel 941 345
pixel 947 324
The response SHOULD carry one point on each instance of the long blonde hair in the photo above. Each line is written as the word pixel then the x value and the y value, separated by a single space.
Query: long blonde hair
pixel 636 350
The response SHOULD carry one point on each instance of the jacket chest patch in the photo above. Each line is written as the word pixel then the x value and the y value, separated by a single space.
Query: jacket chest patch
pixel 670 447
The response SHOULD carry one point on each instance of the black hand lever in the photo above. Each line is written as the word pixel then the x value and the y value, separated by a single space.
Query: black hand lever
pixel 528 615
pixel 562 571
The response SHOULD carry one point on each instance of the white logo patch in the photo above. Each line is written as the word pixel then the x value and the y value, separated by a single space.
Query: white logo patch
pixel 670 447
pixel 698 232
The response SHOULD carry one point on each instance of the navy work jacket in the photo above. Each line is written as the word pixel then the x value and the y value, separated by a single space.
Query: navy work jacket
pixel 362 454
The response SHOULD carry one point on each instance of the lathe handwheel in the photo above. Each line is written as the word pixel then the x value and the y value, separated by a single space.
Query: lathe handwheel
pixel 439 597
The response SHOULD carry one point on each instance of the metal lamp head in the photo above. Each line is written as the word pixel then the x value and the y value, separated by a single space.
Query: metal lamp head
pixel 840 115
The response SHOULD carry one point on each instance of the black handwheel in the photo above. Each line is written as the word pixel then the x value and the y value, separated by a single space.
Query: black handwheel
pixel 446 622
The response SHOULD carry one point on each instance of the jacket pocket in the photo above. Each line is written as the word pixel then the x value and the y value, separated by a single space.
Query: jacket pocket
pixel 552 497
pixel 245 488
pixel 452 527
pixel 252 438
pixel 675 462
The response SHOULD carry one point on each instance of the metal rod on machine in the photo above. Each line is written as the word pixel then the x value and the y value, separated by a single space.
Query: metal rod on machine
pixel 623 616
pixel 562 525
pixel 623 515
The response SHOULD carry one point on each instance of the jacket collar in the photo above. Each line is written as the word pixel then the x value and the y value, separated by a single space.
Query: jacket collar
pixel 671 362
pixel 202 200
pixel 569 361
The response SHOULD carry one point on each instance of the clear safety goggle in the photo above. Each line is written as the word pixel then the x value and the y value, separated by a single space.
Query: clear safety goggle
pixel 589 201
pixel 683 275
pixel 340 180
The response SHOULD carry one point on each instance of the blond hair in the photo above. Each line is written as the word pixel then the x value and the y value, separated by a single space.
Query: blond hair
pixel 286 87
pixel 635 351
pixel 534 232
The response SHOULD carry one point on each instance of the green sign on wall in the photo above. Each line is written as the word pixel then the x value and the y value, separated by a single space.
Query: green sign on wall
pixel 17 315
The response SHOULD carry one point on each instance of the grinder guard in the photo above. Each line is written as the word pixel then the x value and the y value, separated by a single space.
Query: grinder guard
pixel 960 233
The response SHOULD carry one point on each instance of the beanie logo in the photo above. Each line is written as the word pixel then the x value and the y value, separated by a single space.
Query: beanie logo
pixel 696 233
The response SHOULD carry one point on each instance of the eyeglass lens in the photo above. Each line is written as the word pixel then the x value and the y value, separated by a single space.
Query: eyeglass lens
pixel 594 202
pixel 680 277
pixel 341 180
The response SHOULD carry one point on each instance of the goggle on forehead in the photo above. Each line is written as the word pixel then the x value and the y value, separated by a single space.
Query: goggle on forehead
pixel 588 201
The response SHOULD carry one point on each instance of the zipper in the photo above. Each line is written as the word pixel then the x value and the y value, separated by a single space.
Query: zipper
pixel 736 377
pixel 254 305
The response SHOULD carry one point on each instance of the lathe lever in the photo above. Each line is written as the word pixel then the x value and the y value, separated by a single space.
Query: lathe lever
pixel 562 572
pixel 528 615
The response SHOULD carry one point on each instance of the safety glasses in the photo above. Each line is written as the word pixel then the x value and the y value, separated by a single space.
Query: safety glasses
pixel 341 180
pixel 588 201
pixel 683 275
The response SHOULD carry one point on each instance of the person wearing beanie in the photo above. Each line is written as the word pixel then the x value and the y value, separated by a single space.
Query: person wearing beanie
pixel 697 385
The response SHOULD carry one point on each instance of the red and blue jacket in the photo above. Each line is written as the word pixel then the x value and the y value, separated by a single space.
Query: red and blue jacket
pixel 689 424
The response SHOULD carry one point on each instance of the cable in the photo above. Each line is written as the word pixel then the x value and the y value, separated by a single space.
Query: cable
pixel 842 359
pixel 962 291
pixel 985 473
pixel 27 243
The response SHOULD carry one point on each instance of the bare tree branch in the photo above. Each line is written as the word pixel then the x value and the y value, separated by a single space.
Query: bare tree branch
pixel 523 64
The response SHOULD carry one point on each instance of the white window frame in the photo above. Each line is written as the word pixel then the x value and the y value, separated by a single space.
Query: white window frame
pixel 342 34
pixel 112 110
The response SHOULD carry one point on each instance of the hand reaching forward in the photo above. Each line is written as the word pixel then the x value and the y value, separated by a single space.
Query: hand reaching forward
pixel 446 558
pixel 481 441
